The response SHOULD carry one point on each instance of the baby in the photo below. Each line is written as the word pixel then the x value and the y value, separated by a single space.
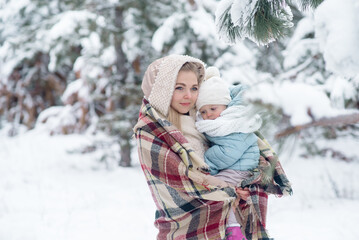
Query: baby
pixel 228 125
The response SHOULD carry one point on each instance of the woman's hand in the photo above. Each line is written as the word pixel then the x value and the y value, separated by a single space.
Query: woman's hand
pixel 243 193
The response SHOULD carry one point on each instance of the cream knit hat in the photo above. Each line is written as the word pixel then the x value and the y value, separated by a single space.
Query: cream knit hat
pixel 160 79
pixel 214 90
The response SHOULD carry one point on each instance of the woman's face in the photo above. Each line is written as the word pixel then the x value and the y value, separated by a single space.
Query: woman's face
pixel 186 92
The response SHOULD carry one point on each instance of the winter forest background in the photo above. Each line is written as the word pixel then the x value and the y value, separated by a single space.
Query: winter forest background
pixel 70 75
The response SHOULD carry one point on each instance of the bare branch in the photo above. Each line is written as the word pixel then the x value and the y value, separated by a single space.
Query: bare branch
pixel 347 119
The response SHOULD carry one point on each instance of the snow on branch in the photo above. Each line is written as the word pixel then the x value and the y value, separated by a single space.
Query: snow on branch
pixel 305 105
pixel 260 21
pixel 347 119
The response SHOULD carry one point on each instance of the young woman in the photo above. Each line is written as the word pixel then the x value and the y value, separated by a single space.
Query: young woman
pixel 191 204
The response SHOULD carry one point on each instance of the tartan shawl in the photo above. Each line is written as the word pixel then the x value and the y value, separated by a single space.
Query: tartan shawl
pixel 187 207
pixel 268 178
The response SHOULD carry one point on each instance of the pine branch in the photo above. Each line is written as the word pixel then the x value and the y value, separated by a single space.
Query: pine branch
pixel 306 4
pixel 269 25
pixel 227 27
pixel 267 21
pixel 347 119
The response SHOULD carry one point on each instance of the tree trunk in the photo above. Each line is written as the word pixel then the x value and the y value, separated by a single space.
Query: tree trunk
pixel 122 73
pixel 125 154
pixel 121 59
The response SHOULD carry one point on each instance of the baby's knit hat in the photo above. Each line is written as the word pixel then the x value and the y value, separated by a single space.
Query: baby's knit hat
pixel 214 90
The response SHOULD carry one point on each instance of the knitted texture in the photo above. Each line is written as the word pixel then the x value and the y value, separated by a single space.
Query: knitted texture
pixel 160 79
pixel 213 91
pixel 212 72
pixel 233 119
pixel 236 118
pixel 196 139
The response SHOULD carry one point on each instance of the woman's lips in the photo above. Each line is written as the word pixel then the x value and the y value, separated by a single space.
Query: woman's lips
pixel 185 104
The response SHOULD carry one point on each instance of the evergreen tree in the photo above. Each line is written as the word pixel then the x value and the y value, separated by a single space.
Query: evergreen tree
pixel 262 21
pixel 190 30
pixel 301 65
pixel 102 48
pixel 96 48
pixel 29 52
pixel 304 62
pixel 131 34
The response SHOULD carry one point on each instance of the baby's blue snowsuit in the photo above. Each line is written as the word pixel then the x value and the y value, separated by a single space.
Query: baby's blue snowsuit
pixel 237 151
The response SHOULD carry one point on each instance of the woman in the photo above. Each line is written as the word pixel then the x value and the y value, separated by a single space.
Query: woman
pixel 190 203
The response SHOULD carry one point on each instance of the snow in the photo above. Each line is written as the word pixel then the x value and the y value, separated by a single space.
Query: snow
pixel 165 32
pixel 222 7
pixel 339 36
pixel 296 99
pixel 79 64
pixel 67 22
pixel 53 119
pixel 299 51
pixel 305 26
pixel 73 88
pixel 108 56
pixel 241 11
pixel 6 12
pixel 48 191
pixel 340 89
pixel 200 23
pixel 91 45
pixel 238 66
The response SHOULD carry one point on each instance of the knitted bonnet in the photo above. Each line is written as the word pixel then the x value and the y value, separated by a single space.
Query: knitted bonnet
pixel 160 79
pixel 214 90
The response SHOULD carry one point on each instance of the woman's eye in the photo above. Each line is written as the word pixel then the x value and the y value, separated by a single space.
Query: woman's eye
pixel 195 89
pixel 179 88
pixel 213 109
pixel 203 112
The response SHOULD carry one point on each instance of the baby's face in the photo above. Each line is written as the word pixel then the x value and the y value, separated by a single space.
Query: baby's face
pixel 211 111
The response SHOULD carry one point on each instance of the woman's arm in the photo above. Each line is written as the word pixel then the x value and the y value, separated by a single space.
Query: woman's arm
pixel 165 166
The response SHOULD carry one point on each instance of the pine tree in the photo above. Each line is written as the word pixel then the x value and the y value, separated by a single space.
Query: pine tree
pixel 124 84
pixel 262 21
pixel 101 48
pixel 301 61
pixel 27 85
pixel 190 30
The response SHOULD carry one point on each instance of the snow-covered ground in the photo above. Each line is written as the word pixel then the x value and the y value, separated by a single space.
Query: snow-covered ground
pixel 48 193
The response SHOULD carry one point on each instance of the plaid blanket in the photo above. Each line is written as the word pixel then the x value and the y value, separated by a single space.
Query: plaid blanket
pixel 187 208
pixel 268 178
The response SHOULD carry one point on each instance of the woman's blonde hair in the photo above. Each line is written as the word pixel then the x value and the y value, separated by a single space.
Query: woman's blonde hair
pixel 196 68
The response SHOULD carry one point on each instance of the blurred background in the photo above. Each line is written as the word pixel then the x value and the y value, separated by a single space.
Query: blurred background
pixel 70 76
